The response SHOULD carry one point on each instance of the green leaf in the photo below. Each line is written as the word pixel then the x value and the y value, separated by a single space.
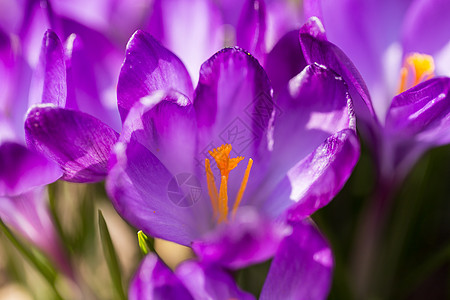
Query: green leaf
pixel 110 256
pixel 52 190
pixel 145 243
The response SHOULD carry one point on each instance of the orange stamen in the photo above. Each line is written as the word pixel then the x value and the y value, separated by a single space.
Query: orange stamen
pixel 212 188
pixel 416 68
pixel 219 201
pixel 223 200
pixel 242 188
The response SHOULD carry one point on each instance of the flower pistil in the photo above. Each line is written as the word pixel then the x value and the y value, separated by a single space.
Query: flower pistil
pixel 416 68
pixel 219 199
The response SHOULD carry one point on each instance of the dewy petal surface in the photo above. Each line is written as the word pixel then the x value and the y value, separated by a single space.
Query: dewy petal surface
pixel 164 122
pixel 49 79
pixel 148 67
pixel 138 184
pixel 248 239
pixel 155 281
pixel 208 282
pixel 22 169
pixel 302 267
pixel 78 142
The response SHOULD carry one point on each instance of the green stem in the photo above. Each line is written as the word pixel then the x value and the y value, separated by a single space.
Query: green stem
pixel 110 256
pixel 368 236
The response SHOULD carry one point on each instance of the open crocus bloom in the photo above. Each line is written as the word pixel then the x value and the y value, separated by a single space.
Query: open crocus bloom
pixel 215 167
pixel 399 51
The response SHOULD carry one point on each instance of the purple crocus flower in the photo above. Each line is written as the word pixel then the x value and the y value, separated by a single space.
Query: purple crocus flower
pixel 301 270
pixel 398 51
pixel 77 141
pixel 23 173
pixel 93 56
pixel 399 129
pixel 183 153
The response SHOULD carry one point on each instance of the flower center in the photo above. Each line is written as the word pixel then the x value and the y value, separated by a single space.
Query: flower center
pixel 219 200
pixel 416 68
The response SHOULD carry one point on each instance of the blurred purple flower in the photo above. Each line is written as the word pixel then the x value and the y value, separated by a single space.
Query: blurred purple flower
pixel 196 29
pixel 407 111
pixel 300 152
pixel 77 141
pixel 93 53
pixel 23 204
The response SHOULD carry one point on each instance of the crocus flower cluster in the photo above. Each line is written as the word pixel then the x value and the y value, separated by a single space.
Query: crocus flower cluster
pixel 228 151
pixel 168 128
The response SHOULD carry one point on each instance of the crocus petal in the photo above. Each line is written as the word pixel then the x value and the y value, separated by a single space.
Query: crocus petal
pixel 15 76
pixel 6 71
pixel 22 169
pixel 372 25
pixel 233 105
pixel 318 50
pixel 49 80
pixel 34 25
pixel 155 281
pixel 192 29
pixel 248 239
pixel 418 119
pixel 302 267
pixel 78 142
pixel 138 184
pixel 207 282
pixel 93 62
pixel 148 67
pixel 314 181
pixel 28 214
pixel 164 122
pixel 284 61
pixel 282 17
pixel 251 28
pixel 6 130
pixel 420 32
pixel 425 107
pixel 315 105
